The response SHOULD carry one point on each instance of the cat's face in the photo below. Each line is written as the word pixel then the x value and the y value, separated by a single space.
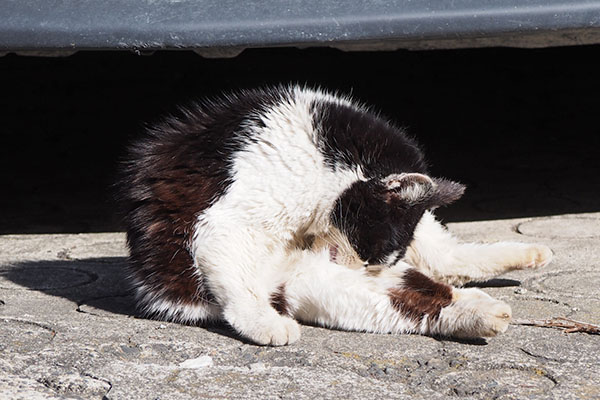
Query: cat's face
pixel 379 216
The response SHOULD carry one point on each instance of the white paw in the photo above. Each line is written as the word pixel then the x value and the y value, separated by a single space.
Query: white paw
pixel 474 314
pixel 537 256
pixel 495 317
pixel 275 330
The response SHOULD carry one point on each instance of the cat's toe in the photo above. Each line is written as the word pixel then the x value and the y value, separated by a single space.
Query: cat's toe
pixel 278 331
pixel 286 333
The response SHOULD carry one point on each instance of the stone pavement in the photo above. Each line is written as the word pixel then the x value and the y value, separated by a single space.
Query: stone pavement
pixel 68 330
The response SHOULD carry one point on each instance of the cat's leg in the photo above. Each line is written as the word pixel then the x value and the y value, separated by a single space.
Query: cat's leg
pixel 242 272
pixel 436 253
pixel 393 300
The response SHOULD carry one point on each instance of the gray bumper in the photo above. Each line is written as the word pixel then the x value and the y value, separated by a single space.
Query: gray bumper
pixel 225 27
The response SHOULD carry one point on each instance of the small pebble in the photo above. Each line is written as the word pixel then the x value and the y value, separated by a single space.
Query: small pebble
pixel 575 309
pixel 520 290
pixel 200 362
pixel 257 366
pixel 162 326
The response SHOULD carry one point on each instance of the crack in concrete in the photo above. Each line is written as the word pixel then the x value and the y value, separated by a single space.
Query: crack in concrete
pixel 109 383
pixel 23 276
pixel 86 302
pixel 547 299
pixel 79 310
pixel 58 388
pixel 536 370
pixel 537 284
pixel 53 332
pixel 538 357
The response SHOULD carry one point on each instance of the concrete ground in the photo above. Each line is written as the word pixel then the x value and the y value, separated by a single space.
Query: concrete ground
pixel 69 331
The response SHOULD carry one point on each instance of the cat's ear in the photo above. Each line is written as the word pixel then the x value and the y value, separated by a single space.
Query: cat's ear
pixel 411 188
pixel 446 192
pixel 420 189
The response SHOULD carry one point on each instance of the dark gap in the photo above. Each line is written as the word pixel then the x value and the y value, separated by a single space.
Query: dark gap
pixel 518 126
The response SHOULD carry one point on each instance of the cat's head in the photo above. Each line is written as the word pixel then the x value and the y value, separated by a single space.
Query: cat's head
pixel 379 216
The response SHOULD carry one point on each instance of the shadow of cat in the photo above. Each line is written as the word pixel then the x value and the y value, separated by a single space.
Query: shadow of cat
pixel 99 286
pixel 495 283
pixel 94 284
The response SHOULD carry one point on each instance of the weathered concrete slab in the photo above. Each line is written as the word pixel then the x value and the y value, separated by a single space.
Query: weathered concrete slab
pixel 69 330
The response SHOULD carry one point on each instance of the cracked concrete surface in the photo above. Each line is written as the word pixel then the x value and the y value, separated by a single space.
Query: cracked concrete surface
pixel 70 330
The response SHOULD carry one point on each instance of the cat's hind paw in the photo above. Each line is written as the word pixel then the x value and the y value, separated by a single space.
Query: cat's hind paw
pixel 537 256
pixel 474 314
pixel 519 256
pixel 495 316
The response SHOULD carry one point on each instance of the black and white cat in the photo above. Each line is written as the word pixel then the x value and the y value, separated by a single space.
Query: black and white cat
pixel 270 206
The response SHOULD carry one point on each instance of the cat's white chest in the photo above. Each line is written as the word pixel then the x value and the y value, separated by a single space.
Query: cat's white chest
pixel 281 181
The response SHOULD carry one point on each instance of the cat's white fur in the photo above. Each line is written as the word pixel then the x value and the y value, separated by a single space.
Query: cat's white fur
pixel 244 249
pixel 436 253
pixel 242 242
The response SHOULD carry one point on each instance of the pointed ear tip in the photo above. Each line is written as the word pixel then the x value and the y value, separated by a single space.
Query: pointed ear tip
pixel 447 192
pixel 458 189
pixel 455 186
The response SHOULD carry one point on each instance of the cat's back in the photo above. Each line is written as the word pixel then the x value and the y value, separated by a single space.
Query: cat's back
pixel 283 154
pixel 270 161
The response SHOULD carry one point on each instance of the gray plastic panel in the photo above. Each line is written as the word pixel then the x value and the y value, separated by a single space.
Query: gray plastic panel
pixel 174 24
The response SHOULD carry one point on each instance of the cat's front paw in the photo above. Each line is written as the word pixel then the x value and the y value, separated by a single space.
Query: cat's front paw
pixel 277 332
pixel 473 314
pixel 269 329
